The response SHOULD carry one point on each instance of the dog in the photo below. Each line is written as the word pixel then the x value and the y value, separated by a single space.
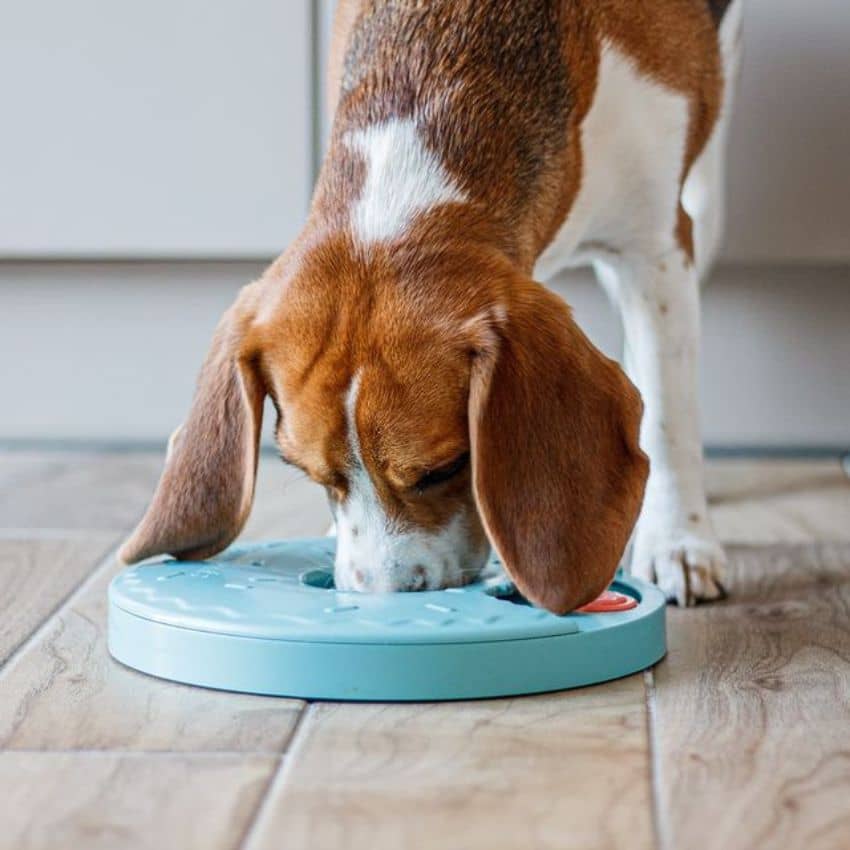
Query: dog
pixel 445 399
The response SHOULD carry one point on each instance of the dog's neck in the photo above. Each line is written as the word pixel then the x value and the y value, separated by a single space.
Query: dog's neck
pixel 441 120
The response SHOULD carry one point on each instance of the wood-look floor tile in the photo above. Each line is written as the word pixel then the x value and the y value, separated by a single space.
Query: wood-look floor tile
pixel 128 801
pixel 779 501
pixel 64 691
pixel 752 708
pixel 36 576
pixel 567 770
pixel 75 490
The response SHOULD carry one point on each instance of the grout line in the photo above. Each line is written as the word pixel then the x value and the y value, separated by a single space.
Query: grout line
pixel 279 777
pixel 139 445
pixel 101 565
pixel 661 838
pixel 94 446
pixel 60 603
pixel 121 751
pixel 35 534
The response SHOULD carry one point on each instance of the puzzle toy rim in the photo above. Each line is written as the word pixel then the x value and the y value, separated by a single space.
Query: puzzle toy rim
pixel 266 619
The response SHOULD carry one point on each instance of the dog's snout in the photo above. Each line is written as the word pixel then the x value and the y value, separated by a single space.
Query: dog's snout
pixel 391 576
pixel 409 561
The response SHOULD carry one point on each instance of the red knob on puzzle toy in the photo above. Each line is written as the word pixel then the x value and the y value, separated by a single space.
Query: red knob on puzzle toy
pixel 609 601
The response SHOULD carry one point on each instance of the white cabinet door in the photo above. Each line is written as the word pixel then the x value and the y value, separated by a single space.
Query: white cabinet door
pixel 788 176
pixel 168 128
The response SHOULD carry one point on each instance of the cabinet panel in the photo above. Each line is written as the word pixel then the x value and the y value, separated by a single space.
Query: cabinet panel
pixel 788 176
pixel 165 128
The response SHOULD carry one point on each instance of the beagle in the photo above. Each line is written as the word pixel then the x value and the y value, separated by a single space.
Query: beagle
pixel 446 400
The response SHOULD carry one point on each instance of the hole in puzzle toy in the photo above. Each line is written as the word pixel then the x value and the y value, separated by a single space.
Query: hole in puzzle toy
pixel 608 602
pixel 506 592
pixel 322 579
pixel 267 619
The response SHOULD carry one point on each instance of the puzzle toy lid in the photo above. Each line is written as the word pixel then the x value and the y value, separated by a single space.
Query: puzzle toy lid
pixel 267 619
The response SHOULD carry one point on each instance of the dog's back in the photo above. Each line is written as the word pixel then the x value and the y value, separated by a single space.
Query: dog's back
pixel 501 90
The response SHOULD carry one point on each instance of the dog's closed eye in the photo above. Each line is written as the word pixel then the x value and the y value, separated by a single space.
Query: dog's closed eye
pixel 442 473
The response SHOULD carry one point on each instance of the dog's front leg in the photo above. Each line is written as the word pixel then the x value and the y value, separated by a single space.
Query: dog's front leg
pixel 674 544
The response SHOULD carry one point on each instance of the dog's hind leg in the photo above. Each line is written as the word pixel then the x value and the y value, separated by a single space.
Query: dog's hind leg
pixel 704 190
pixel 674 543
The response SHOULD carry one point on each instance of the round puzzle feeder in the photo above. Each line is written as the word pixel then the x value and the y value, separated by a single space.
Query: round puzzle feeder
pixel 266 619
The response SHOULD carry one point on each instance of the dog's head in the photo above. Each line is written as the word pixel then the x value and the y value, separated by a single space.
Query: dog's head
pixel 445 403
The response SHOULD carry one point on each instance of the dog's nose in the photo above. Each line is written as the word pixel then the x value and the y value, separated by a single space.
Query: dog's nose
pixel 362 579
pixel 418 578
pixel 395 577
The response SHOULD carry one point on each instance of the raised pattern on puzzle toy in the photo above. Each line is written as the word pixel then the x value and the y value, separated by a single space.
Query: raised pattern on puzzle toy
pixel 267 619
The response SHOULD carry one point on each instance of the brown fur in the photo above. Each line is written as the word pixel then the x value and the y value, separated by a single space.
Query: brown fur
pixel 559 475
pixel 459 349
pixel 206 489
pixel 523 77
pixel 408 423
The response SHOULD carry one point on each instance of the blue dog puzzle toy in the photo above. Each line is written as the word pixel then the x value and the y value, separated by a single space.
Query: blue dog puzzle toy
pixel 266 619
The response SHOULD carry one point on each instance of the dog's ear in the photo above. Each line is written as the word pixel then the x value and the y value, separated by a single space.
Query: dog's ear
pixel 558 475
pixel 206 489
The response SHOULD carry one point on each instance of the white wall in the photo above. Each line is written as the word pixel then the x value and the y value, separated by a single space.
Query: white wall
pixel 168 128
pixel 775 354
pixel 118 360
pixel 106 350
pixel 179 129
pixel 789 175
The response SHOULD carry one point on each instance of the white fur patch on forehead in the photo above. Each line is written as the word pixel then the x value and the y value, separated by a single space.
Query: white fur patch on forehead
pixel 363 528
pixel 403 178
pixel 351 420
pixel 633 140
pixel 362 497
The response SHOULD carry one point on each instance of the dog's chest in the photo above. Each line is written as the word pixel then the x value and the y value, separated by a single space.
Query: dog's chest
pixel 632 146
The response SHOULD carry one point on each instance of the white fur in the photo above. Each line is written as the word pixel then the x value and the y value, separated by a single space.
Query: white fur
pixel 633 141
pixel 674 542
pixel 704 192
pixel 623 222
pixel 374 554
pixel 403 179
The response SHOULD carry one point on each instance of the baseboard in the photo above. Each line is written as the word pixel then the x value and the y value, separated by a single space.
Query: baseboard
pixel 838 453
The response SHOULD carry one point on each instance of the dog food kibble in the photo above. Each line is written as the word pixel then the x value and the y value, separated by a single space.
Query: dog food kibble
pixel 609 601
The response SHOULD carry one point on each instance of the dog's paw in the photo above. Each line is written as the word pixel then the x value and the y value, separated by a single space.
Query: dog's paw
pixel 687 567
